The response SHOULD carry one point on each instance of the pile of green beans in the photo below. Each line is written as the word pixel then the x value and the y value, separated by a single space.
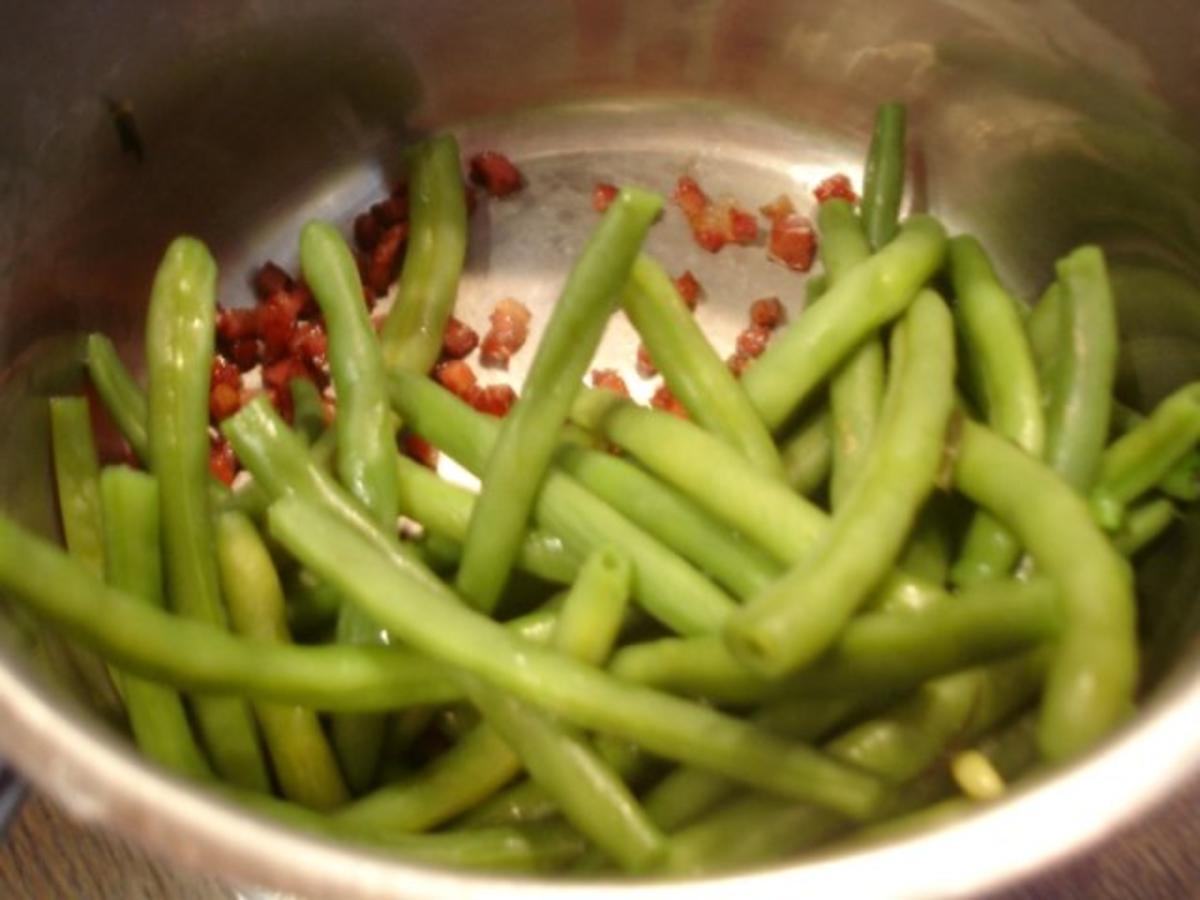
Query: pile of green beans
pixel 850 595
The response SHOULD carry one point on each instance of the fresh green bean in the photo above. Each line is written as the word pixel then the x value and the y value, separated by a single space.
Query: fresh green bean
pixel 433 262
pixel 445 509
pixel 883 175
pixel 308 410
pixel 815 287
pixel 579 693
pixel 870 295
pixel 1145 455
pixel 1183 481
pixel 179 352
pixel 1094 672
pixel 529 434
pixel 1143 524
pixel 594 608
pixel 302 759
pixel 1079 393
pixel 792 622
pixel 878 652
pixel 856 390
pixel 976 776
pixel 927 554
pixel 808 454
pixel 77 480
pixel 664 585
pixel 521 803
pixel 691 367
pixel 1044 326
pixel 132 550
pixel 998 351
pixel 120 394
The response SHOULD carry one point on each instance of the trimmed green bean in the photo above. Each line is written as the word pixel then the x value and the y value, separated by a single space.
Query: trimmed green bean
pixel 808 454
pixel 927 554
pixel 433 261
pixel 691 367
pixel 1044 326
pixel 120 394
pixel 664 585
pixel 1143 524
pixel 867 297
pixel 594 608
pixel 77 480
pixel 179 352
pixel 308 410
pixel 792 622
pixel 528 435
pixel 157 715
pixel 883 175
pixel 302 759
pixel 579 693
pixel 1094 672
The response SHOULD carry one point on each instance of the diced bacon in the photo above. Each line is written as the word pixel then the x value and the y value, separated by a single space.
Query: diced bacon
pixel 276 321
pixel 236 323
pixel 743 225
pixel 309 343
pixel 457 377
pixel 459 339
pixel 495 173
pixel 221 461
pixel 278 374
pixel 610 380
pixel 302 296
pixel 269 279
pixel 714 224
pixel 366 232
pixel 603 194
pixel 663 399
pixel 689 288
pixel 779 208
pixel 495 400
pixel 645 365
pixel 737 363
pixel 416 447
pixel 767 312
pixel 753 341
pixel 835 186
pixel 223 401
pixel 509 329
pixel 383 261
pixel 391 211
pixel 793 243
pixel 690 197
pixel 245 353
pixel 224 372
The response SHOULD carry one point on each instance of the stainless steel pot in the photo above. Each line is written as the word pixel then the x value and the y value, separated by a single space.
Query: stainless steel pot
pixel 1037 125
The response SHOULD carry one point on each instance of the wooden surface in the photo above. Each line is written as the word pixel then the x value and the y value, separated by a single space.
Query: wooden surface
pixel 48 857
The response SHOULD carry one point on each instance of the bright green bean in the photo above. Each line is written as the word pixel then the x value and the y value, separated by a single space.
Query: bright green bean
pixel 808 454
pixel 157 716
pixel 308 410
pixel 1183 481
pixel 1044 326
pixel 433 262
pixel 927 554
pixel 594 608
pixel 529 433
pixel 691 367
pixel 1143 524
pixel 179 352
pixel 883 174
pixel 77 480
pixel 579 693
pixel 802 355
pixel 301 757
pixel 1094 671
pixel 118 391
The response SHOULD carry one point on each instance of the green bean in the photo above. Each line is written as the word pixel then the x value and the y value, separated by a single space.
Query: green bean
pixel 878 652
pixel 118 391
pixel 445 509
pixel 1079 394
pixel 792 622
pixel 664 585
pixel 308 410
pixel 856 390
pixel 312 606
pixel 808 454
pixel 529 434
pixel 433 262
pixel 691 367
pixel 883 175
pixel 671 517
pixel 179 352
pixel 803 354
pixel 1094 672
pixel 521 803
pixel 999 353
pixel 815 287
pixel 1182 482
pixel 157 715
pixel 302 759
pixel 203 658
pixel 579 693
pixel 976 776
pixel 1143 524
pixel 594 608
pixel 77 480
pixel 1145 455
pixel 1044 326
pixel 927 554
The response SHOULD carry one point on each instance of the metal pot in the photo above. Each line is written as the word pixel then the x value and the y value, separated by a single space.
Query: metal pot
pixel 1038 126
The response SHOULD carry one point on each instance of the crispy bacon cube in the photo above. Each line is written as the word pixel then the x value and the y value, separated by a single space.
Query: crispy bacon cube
pixel 495 173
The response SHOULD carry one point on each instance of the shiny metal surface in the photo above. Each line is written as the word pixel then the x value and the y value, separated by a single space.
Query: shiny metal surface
pixel 1036 125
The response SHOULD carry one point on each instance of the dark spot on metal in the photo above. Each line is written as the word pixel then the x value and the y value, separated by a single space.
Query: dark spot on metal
pixel 121 113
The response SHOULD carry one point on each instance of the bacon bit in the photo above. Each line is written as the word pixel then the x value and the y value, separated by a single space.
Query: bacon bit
pixel 245 353
pixel 753 341
pixel 458 378
pixel 495 400
pixel 603 194
pixel 779 208
pixel 737 364
pixel 767 312
pixel 381 267
pixel 276 321
pixel 495 173
pixel 306 303
pixel 793 243
pixel 510 328
pixel 366 232
pixel 309 343
pixel 235 324
pixel 459 339
pixel 835 187
pixel 645 365
pixel 416 447
pixel 269 279
pixel 713 224
pixel 281 399
pixel 221 461
pixel 610 380
pixel 223 401
pixel 224 372
pixel 666 401
pixel 391 211
pixel 689 288
pixel 278 374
